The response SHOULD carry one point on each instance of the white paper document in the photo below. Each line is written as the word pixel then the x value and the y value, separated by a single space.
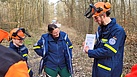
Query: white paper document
pixel 90 41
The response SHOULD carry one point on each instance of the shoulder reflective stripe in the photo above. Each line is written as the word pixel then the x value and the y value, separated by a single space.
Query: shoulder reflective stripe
pixel 111 48
pixel 25 55
pixel 104 40
pixel 65 36
pixel 36 47
pixel 44 51
pixel 29 70
pixel 70 46
pixel 23 48
pixel 97 35
pixel 104 67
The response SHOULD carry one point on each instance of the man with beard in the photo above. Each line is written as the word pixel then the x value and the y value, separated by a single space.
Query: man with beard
pixel 110 38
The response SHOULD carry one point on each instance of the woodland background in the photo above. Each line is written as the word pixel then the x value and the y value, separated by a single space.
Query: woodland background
pixel 35 15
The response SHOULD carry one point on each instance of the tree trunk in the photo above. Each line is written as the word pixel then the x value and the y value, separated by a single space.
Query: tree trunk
pixel 90 29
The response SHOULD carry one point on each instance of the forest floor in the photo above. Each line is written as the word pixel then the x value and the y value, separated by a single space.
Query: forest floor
pixel 82 64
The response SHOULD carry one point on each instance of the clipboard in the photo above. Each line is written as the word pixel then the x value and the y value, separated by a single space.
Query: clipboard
pixel 90 41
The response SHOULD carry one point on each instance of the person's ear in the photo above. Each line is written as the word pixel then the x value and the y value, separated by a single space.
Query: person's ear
pixel 103 16
pixel 13 39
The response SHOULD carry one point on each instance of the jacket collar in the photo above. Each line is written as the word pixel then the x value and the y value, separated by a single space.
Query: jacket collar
pixel 50 38
pixel 108 26
pixel 113 21
pixel 12 45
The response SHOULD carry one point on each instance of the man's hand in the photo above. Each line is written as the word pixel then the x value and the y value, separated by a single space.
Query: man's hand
pixel 86 49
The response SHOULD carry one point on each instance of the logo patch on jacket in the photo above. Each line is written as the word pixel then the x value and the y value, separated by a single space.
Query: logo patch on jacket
pixel 112 41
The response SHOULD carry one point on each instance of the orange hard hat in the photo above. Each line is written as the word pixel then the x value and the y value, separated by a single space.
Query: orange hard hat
pixel 17 33
pixel 4 35
pixel 97 9
pixel 101 7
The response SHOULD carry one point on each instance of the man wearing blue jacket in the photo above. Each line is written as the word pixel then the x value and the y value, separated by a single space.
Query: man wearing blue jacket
pixel 17 36
pixel 109 47
pixel 12 64
pixel 56 50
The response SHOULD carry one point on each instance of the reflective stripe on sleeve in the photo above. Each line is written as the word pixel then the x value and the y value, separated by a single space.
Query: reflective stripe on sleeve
pixel 70 46
pixel 24 55
pixel 29 70
pixel 36 47
pixel 104 67
pixel 110 47
pixel 104 40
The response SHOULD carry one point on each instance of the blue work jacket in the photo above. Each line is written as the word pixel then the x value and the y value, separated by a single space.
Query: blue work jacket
pixel 108 50
pixel 21 50
pixel 46 48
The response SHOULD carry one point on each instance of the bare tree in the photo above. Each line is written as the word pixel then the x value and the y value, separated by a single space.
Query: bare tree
pixel 70 5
